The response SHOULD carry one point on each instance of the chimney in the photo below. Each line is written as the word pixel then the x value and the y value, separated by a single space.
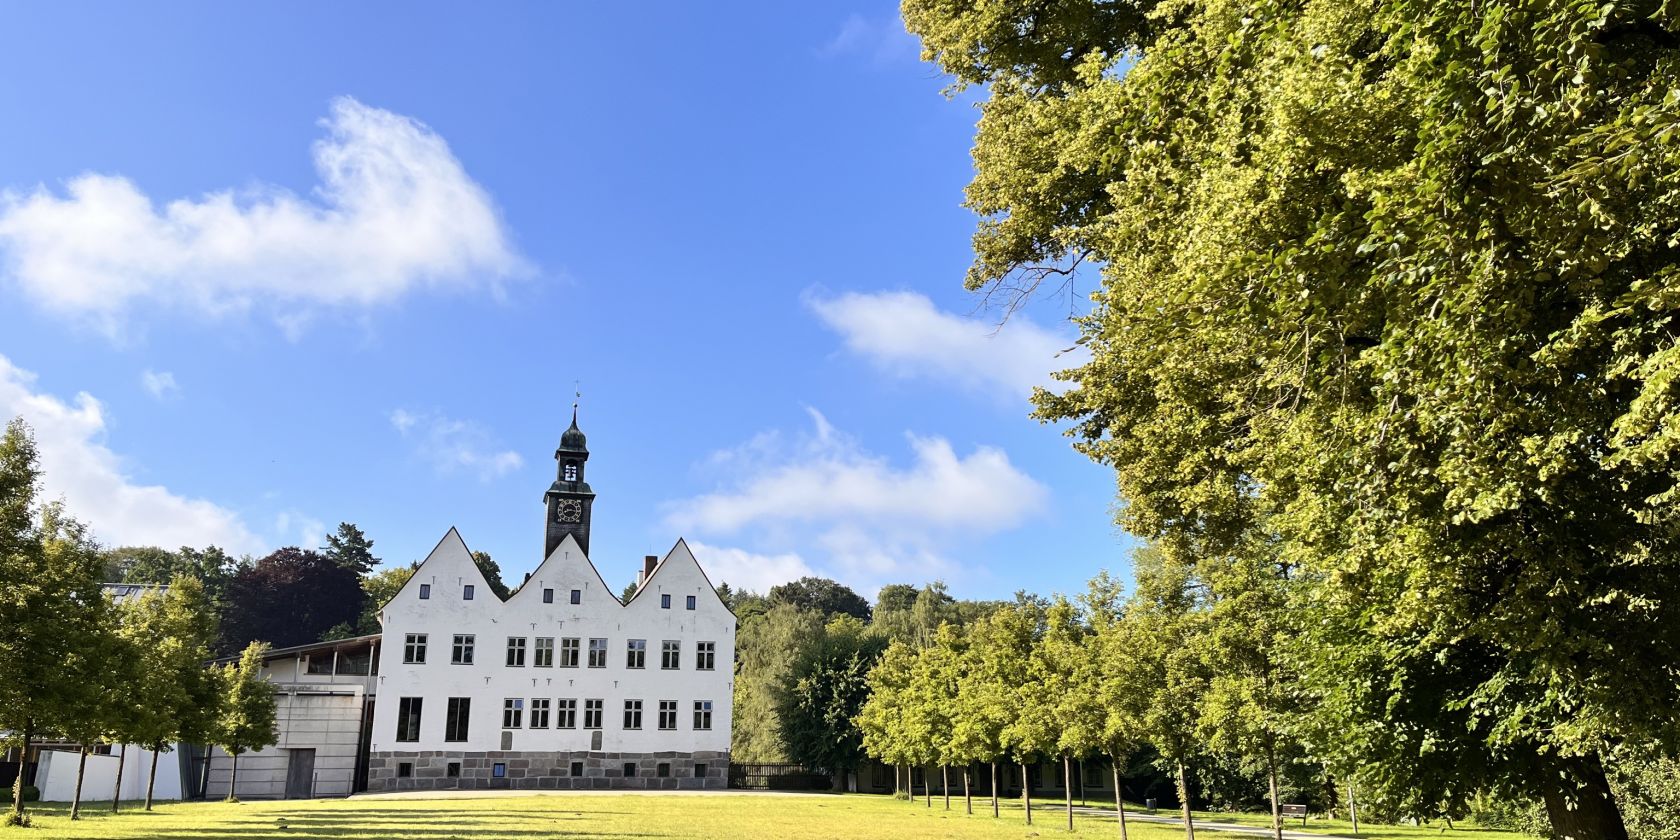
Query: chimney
pixel 648 562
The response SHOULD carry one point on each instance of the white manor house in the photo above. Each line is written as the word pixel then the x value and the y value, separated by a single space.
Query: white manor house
pixel 562 686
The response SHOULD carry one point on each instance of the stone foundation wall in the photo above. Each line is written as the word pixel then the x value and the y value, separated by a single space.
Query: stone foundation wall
pixel 545 770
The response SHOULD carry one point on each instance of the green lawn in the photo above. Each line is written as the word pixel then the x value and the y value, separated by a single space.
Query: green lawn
pixel 1320 825
pixel 628 815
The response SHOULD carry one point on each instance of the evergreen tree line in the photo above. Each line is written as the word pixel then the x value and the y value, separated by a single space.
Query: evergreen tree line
pixel 76 666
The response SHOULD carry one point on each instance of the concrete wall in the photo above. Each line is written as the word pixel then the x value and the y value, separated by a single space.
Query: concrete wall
pixel 56 776
pixel 489 680
pixel 326 719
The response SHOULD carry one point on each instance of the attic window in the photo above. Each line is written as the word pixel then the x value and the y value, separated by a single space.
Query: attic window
pixel 467 592
pixel 691 602
pixel 548 596
pixel 664 602
pixel 577 596
pixel 425 591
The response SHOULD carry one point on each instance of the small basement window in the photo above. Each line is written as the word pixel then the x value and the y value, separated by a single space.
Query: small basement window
pixel 629 769
pixel 664 770
pixel 405 769
pixel 498 770
pixel 577 768
pixel 453 770
pixel 700 770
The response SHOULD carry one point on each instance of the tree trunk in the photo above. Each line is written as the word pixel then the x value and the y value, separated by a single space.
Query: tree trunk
pixel 909 783
pixel 968 798
pixel 1580 803
pixel 151 780
pixel 945 784
pixel 116 793
pixel 1353 808
pixel 233 780
pixel 1119 802
pixel 23 765
pixel 1067 784
pixel 1026 792
pixel 1271 773
pixel 1184 802
pixel 76 800
pixel 994 790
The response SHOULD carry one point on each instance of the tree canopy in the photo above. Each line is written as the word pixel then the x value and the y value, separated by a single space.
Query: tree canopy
pixel 1392 284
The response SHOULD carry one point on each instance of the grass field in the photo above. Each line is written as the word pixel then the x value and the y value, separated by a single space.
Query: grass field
pixel 769 817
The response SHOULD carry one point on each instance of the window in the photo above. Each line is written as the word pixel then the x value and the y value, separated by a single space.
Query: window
pixel 513 709
pixel 548 596
pixel 629 769
pixel 453 770
pixel 545 653
pixel 462 653
pixel 414 649
pixel 1093 775
pixel 670 654
pixel 691 602
pixel 663 770
pixel 405 769
pixel 425 591
pixel 577 768
pixel 632 714
pixel 539 712
pixel 577 596
pixel 705 655
pixel 667 714
pixel 498 770
pixel 455 719
pixel 408 719
pixel 592 714
pixel 467 592
pixel 597 653
pixel 664 602
pixel 516 652
pixel 567 717
pixel 637 654
pixel 571 471
pixel 700 770
pixel 702 714
pixel 568 653
pixel 319 664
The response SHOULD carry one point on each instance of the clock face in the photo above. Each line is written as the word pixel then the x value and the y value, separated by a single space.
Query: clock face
pixel 568 510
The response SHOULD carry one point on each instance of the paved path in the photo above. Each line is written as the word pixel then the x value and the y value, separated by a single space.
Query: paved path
pixel 495 794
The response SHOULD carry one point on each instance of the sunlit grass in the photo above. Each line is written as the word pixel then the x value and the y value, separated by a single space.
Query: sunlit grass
pixel 765 816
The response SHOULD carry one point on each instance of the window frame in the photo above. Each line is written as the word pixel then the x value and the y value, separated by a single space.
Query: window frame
pixel 414 649
pixel 635 654
pixel 702 716
pixel 425 592
pixel 667 715
pixel 516 651
pixel 461 651
pixel 705 656
pixel 570 649
pixel 632 715
pixel 577 596
pixel 457 719
pixel 540 708
pixel 513 709
pixel 670 655
pixel 409 715
pixel 467 592
pixel 598 708
pixel 544 645
pixel 565 713
pixel 597 653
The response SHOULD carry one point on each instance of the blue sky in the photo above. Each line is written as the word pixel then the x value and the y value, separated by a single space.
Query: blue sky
pixel 266 269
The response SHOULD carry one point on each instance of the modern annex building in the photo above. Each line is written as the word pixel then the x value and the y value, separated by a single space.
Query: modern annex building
pixel 562 686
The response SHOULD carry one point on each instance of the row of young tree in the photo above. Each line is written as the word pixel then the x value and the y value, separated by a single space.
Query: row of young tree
pixel 78 667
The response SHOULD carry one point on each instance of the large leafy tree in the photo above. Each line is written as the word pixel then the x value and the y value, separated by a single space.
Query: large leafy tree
pixel 50 603
pixel 826 688
pixel 820 594
pixel 884 716
pixel 1394 283
pixel 171 633
pixel 290 597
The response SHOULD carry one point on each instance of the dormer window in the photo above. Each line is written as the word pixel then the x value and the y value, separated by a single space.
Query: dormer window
pixel 571 471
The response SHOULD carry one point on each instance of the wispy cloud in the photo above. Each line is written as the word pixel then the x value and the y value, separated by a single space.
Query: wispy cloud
pixel 877 41
pixel 869 520
pixel 455 445
pixel 78 467
pixel 160 384
pixel 394 211
pixel 903 334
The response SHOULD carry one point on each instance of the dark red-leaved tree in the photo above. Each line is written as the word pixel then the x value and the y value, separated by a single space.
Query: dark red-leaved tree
pixel 288 598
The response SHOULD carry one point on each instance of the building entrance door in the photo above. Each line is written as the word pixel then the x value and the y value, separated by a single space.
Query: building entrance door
pixel 300 774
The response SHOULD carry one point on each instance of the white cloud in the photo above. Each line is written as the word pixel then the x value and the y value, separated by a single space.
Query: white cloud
pixel 903 334
pixel 455 445
pixel 880 41
pixel 746 570
pixel 160 384
pixel 869 520
pixel 299 529
pixel 394 211
pixel 90 478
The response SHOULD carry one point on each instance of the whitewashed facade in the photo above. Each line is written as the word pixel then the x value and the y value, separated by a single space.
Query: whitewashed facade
pixel 561 686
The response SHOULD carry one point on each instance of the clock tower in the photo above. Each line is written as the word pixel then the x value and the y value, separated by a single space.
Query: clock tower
pixel 569 498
